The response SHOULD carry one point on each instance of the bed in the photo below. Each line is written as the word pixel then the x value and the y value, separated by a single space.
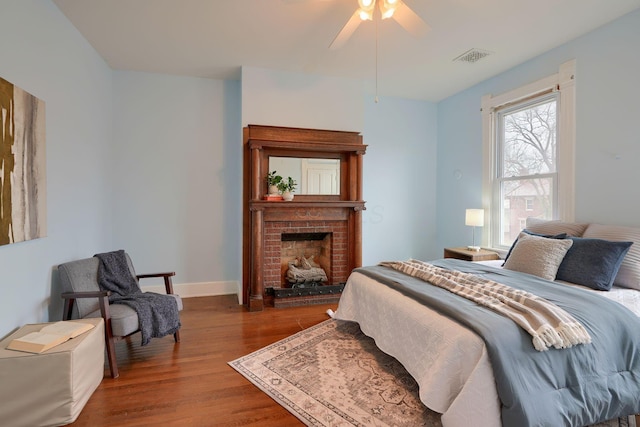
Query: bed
pixel 450 362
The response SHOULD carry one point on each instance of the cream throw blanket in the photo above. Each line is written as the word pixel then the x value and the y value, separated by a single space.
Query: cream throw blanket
pixel 548 324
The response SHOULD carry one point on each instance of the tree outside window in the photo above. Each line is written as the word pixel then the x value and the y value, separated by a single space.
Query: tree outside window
pixel 527 174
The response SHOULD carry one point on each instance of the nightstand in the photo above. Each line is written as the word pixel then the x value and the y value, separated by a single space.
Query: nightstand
pixel 470 255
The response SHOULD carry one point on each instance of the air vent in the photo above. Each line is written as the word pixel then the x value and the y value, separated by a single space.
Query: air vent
pixel 472 55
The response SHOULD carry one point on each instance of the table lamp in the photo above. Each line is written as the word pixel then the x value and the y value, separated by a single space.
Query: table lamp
pixel 474 218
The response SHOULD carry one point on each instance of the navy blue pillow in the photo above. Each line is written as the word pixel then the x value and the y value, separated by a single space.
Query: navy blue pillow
pixel 549 236
pixel 592 262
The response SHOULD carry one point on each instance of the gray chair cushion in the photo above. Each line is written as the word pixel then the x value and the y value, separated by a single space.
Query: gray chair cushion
pixel 124 320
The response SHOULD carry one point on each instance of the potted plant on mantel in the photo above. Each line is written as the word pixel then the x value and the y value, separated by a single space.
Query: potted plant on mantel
pixel 287 188
pixel 272 183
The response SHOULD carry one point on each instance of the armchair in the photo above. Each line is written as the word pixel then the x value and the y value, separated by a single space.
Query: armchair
pixel 83 298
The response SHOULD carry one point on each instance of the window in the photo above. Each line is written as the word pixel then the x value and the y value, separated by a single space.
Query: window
pixel 528 140
pixel 526 165
pixel 528 204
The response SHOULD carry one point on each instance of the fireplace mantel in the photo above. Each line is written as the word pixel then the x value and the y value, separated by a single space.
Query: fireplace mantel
pixel 307 205
pixel 263 221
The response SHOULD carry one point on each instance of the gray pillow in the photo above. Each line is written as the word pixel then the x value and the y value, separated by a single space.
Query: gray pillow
pixel 548 236
pixel 629 273
pixel 537 255
pixel 593 262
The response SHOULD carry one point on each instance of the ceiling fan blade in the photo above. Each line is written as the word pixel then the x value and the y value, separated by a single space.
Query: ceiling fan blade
pixel 410 21
pixel 346 31
pixel 303 1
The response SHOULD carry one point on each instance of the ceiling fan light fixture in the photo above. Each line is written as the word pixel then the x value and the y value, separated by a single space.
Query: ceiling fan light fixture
pixel 365 15
pixel 366 9
pixel 388 8
pixel 367 5
pixel 397 9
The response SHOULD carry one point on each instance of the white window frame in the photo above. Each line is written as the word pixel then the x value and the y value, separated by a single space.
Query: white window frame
pixel 564 83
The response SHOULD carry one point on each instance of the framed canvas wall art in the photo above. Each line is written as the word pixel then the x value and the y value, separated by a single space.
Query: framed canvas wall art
pixel 22 165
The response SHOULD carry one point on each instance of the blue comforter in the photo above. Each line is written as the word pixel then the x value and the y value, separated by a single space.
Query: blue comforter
pixel 578 386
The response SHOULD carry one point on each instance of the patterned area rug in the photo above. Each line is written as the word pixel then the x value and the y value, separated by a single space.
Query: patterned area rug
pixel 333 375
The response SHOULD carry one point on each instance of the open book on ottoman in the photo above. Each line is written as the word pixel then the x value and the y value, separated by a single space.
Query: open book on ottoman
pixel 49 336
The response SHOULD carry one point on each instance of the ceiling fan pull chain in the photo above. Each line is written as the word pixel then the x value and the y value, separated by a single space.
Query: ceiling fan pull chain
pixel 376 97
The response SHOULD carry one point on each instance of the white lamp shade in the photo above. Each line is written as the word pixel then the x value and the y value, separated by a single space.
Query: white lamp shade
pixel 474 217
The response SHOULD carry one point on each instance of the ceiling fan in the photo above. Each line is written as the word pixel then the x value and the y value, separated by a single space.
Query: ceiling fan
pixel 395 9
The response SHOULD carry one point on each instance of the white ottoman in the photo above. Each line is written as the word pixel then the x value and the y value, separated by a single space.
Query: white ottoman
pixel 50 388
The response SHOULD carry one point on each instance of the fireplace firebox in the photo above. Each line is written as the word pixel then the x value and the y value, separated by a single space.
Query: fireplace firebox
pixel 305 259
pixel 322 230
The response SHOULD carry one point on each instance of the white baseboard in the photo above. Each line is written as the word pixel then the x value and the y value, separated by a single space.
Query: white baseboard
pixel 203 289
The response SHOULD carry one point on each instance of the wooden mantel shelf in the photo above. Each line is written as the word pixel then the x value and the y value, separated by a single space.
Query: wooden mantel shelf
pixel 357 205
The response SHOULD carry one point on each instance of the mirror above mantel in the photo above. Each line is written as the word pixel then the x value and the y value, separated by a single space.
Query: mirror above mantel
pixel 314 175
pixel 318 148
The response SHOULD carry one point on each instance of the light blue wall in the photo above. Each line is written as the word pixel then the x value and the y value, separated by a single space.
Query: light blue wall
pixel 179 171
pixel 608 116
pixel 399 180
pixel 278 98
pixel 607 112
pixel 44 55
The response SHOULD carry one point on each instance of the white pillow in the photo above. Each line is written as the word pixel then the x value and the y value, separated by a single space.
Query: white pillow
pixel 538 255
pixel 629 272
pixel 543 226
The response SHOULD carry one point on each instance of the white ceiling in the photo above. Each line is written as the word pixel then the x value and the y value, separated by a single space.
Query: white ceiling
pixel 214 38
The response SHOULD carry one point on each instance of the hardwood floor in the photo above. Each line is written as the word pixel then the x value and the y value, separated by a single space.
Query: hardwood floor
pixel 190 383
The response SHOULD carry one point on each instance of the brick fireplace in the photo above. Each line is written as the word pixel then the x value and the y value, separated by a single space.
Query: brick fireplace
pixel 325 227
